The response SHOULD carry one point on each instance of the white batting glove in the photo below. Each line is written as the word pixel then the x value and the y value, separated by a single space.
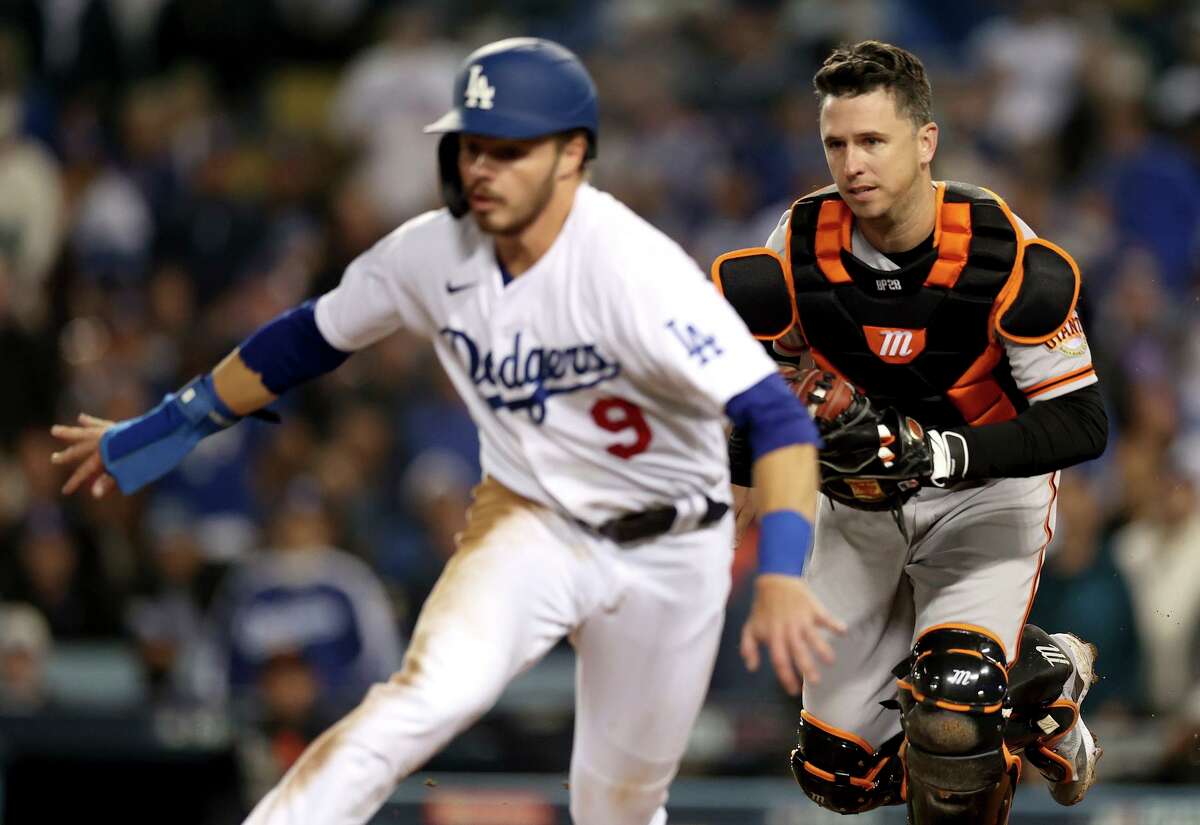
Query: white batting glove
pixel 950 457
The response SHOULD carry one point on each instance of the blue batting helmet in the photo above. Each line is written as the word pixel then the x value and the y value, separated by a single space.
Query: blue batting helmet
pixel 522 87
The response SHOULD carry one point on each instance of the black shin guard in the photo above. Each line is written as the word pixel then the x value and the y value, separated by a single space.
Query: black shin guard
pixel 958 768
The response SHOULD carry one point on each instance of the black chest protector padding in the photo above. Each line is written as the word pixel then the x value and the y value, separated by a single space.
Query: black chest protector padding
pixel 755 284
pixel 1045 298
pixel 956 320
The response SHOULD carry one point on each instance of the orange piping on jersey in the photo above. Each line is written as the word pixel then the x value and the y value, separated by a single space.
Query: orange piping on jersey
pixel 838 732
pixel 903 753
pixel 750 252
pixel 1053 383
pixel 1009 293
pixel 1049 531
pixel 833 235
pixel 974 628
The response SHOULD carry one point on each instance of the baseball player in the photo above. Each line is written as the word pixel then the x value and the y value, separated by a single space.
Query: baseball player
pixel 599 365
pixel 959 326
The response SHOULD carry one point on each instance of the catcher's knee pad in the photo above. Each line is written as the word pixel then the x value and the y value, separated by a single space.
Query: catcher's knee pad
pixel 841 772
pixel 958 768
pixel 1042 713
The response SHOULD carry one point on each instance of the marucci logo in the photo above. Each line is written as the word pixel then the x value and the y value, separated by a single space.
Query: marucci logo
pixel 895 346
pixel 961 677
pixel 896 342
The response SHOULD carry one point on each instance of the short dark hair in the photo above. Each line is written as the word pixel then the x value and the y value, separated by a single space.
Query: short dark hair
pixel 864 67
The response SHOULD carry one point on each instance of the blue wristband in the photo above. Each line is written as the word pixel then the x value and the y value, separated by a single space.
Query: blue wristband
pixel 145 448
pixel 784 541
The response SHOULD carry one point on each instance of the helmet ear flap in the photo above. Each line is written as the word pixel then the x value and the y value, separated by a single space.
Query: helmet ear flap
pixel 452 188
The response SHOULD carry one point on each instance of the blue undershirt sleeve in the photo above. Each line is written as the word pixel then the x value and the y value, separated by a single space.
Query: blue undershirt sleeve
pixel 290 350
pixel 772 416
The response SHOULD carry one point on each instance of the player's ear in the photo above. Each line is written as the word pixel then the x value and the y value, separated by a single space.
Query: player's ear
pixel 572 153
pixel 927 140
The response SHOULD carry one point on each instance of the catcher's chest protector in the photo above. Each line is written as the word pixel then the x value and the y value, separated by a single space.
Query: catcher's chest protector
pixel 925 338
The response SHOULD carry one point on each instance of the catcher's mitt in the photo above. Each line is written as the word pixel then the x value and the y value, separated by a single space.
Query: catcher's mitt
pixel 873 459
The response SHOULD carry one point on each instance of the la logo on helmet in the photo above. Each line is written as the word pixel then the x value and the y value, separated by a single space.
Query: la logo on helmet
pixel 479 92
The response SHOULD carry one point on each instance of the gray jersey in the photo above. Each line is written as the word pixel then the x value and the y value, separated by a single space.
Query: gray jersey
pixel 971 556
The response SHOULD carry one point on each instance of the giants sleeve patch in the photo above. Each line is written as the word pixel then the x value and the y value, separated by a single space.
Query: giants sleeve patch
pixel 1070 340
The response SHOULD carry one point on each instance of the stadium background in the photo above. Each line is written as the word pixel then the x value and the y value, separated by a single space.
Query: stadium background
pixel 175 172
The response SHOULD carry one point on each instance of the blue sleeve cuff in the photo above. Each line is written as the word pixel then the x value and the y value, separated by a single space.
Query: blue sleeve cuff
pixel 784 542
pixel 773 417
pixel 290 349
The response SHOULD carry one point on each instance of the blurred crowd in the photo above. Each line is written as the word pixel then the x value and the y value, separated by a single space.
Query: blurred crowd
pixel 174 173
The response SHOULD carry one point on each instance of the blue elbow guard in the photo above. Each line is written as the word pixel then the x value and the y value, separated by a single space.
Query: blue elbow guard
pixel 142 449
pixel 784 542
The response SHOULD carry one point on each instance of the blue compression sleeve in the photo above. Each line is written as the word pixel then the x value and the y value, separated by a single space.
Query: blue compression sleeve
pixel 773 416
pixel 784 542
pixel 290 350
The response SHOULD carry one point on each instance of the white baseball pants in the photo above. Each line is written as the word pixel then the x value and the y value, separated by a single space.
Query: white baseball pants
pixel 645 623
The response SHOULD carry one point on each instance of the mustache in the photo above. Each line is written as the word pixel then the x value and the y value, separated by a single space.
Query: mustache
pixel 483 191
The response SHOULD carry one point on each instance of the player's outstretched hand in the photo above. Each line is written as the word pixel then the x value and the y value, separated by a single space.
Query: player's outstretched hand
pixel 83 450
pixel 792 623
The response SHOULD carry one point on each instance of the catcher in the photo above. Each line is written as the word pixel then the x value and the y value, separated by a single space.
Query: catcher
pixel 952 382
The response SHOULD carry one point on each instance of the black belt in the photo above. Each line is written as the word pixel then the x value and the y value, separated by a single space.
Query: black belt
pixel 650 523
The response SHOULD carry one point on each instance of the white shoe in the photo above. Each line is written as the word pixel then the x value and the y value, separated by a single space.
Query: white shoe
pixel 1078 748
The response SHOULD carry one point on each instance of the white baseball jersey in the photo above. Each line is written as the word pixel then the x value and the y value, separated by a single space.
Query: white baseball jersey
pixel 1042 371
pixel 598 378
